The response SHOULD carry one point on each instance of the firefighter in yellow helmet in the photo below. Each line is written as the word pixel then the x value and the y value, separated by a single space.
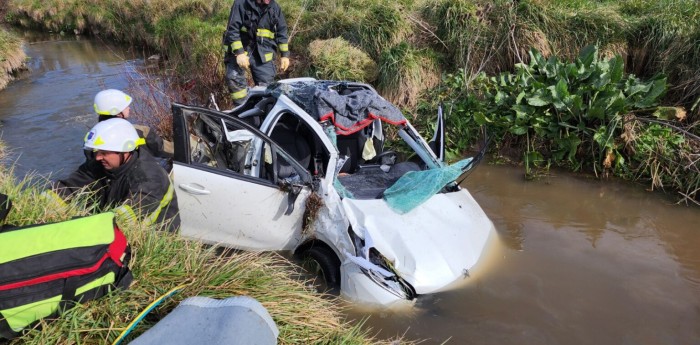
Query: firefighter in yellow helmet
pixel 123 176
pixel 256 30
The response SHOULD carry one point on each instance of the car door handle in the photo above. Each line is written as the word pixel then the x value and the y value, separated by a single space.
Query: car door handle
pixel 194 189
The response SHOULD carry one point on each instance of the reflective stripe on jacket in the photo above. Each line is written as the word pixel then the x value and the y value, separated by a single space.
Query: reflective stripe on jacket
pixel 139 189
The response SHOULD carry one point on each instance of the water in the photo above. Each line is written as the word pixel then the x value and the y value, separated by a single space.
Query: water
pixel 46 114
pixel 578 261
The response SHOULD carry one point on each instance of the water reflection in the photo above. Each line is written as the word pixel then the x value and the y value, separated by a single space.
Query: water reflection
pixel 46 114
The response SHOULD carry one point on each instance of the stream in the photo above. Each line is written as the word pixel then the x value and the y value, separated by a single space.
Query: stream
pixel 577 260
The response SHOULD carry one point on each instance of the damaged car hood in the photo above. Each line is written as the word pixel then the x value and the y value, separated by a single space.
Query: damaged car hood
pixel 431 246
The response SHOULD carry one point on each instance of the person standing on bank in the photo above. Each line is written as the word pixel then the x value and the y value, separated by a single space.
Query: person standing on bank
pixel 256 30
pixel 122 175
pixel 113 103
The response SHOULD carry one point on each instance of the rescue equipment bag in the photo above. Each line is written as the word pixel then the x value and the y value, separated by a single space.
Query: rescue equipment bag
pixel 45 269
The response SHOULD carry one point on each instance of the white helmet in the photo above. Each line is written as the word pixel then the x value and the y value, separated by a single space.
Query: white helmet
pixel 111 102
pixel 117 135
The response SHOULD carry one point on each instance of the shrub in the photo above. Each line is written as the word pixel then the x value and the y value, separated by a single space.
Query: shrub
pixel 337 59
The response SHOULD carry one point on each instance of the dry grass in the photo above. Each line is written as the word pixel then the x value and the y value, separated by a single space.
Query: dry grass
pixel 12 57
pixel 405 72
pixel 337 59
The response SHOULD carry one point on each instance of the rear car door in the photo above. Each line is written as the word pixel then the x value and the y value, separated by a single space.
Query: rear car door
pixel 227 176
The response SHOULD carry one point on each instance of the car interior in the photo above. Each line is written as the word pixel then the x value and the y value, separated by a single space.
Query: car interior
pixel 210 144
pixel 287 133
pixel 367 179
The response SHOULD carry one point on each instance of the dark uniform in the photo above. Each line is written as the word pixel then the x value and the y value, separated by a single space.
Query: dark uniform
pixel 138 188
pixel 155 144
pixel 259 30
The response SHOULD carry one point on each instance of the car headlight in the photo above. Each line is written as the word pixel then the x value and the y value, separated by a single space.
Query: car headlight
pixel 378 268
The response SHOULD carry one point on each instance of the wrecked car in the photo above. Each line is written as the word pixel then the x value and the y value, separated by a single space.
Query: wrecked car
pixel 301 166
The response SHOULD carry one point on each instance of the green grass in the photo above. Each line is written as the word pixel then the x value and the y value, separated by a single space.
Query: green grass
pixel 162 261
pixel 337 59
pixel 470 35
pixel 412 42
pixel 405 72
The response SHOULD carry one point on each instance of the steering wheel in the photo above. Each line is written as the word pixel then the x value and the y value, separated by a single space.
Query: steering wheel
pixel 387 157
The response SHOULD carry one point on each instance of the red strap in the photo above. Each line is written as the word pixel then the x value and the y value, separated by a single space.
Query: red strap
pixel 118 246
pixel 341 130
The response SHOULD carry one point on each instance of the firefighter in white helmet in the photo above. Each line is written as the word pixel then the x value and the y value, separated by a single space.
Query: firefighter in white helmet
pixel 113 103
pixel 123 176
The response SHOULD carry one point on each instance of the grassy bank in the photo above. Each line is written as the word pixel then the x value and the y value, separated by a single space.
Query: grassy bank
pixel 162 261
pixel 12 57
pixel 410 46
pixel 412 41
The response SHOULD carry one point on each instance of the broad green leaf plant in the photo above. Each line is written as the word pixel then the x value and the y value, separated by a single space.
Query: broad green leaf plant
pixel 565 113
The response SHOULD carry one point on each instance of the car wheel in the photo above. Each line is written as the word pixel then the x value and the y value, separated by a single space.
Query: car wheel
pixel 323 262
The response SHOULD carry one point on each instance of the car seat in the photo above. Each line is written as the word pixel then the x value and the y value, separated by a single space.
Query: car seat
pixel 352 145
pixel 287 136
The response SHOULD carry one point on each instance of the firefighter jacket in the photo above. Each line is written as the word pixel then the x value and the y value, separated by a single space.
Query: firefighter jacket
pixel 259 29
pixel 138 189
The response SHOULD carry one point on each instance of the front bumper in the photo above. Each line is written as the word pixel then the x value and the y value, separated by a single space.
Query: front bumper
pixel 359 287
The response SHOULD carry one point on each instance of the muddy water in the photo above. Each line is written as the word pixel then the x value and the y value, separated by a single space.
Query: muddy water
pixel 46 114
pixel 577 261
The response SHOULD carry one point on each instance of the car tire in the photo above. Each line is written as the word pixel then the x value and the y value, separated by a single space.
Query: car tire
pixel 328 264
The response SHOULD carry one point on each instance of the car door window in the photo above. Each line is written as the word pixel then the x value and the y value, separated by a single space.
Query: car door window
pixel 228 146
pixel 215 145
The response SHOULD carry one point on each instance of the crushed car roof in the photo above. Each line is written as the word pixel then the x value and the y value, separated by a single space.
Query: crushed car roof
pixel 349 106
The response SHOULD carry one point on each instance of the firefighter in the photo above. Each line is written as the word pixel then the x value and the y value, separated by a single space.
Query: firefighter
pixel 113 103
pixel 256 30
pixel 123 175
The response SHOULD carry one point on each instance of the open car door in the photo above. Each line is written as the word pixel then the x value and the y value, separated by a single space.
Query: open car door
pixel 235 186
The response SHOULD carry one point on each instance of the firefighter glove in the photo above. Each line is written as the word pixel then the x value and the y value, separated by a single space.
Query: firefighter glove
pixel 284 63
pixel 242 60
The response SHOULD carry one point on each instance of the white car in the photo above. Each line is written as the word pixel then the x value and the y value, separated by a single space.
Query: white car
pixel 301 166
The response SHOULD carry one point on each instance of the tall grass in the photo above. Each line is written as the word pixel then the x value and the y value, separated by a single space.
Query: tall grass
pixel 12 56
pixel 405 72
pixel 162 261
pixel 337 59
pixel 411 41
pixel 474 35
